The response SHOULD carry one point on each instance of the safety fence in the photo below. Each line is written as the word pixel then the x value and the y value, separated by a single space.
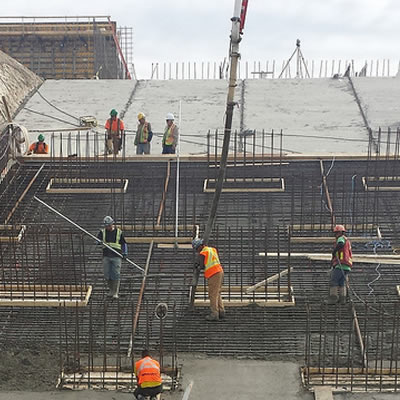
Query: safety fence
pixel 273 69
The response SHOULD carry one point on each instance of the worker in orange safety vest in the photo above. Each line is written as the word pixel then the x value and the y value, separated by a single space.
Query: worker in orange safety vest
pixel 39 147
pixel 209 260
pixel 341 263
pixel 114 131
pixel 148 376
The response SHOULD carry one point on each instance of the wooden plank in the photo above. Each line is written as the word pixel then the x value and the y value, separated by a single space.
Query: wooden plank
pixel 42 298
pixel 155 239
pixel 268 280
pixel 245 180
pixel 38 286
pixel 323 393
pixel 251 164
pixel 238 289
pixel 141 228
pixel 41 303
pixel 328 227
pixel 50 189
pixel 362 258
pixel 344 370
pixel 329 239
pixel 172 246
pixel 238 303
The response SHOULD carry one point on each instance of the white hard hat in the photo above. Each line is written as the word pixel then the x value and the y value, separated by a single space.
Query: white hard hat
pixel 170 117
pixel 108 221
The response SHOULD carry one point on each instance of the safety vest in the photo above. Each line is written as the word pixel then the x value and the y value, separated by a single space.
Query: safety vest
pixel 169 138
pixel 148 372
pixel 143 132
pixel 39 148
pixel 211 261
pixel 115 245
pixel 344 255
pixel 113 126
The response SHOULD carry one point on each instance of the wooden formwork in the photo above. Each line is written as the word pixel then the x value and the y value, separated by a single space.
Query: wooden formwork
pixel 86 181
pixel 238 296
pixel 38 295
pixel 16 233
pixel 113 378
pixel 352 379
pixel 246 185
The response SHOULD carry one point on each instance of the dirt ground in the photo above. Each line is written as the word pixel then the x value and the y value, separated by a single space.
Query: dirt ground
pixel 35 369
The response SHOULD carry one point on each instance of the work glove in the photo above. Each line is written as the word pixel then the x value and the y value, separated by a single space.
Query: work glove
pixel 98 242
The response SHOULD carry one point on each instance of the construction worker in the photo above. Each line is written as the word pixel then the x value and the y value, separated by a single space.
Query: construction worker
pixel 143 135
pixel 114 130
pixel 114 238
pixel 148 377
pixel 171 133
pixel 39 147
pixel 209 260
pixel 341 266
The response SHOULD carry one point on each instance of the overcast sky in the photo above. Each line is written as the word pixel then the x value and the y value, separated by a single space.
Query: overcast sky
pixel 198 30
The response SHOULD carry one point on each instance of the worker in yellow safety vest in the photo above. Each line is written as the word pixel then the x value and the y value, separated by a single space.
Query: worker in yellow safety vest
pixel 209 260
pixel 114 238
pixel 170 138
pixel 143 136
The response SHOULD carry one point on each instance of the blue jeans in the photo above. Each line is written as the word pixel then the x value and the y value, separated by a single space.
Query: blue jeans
pixel 112 268
pixel 338 277
pixel 143 148
pixel 168 149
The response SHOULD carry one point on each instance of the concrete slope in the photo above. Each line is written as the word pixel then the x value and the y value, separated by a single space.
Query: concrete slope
pixel 317 116
pixel 312 110
pixel 203 108
pixel 77 98
pixel 16 82
pixel 380 98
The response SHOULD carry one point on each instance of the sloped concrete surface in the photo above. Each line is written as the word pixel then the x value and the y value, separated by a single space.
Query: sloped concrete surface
pixel 380 99
pixel 316 115
pixel 16 82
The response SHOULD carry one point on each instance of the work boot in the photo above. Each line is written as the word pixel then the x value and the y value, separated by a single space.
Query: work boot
pixel 115 289
pixel 342 295
pixel 110 288
pixel 333 295
pixel 222 314
pixel 212 317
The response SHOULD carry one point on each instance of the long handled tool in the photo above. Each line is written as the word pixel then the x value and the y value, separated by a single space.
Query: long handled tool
pixel 88 233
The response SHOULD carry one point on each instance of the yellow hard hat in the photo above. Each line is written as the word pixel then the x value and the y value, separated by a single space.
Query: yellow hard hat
pixel 140 116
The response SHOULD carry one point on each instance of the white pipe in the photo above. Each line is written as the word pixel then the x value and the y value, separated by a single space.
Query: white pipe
pixel 87 233
pixel 178 170
pixel 237 9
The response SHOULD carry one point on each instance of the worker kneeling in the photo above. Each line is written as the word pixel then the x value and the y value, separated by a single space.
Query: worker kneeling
pixel 341 266
pixel 148 376
pixel 213 272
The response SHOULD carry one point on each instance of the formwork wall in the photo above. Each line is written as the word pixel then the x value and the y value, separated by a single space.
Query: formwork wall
pixel 64 50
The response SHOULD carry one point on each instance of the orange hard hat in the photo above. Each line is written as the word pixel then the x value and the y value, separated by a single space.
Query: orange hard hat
pixel 339 228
